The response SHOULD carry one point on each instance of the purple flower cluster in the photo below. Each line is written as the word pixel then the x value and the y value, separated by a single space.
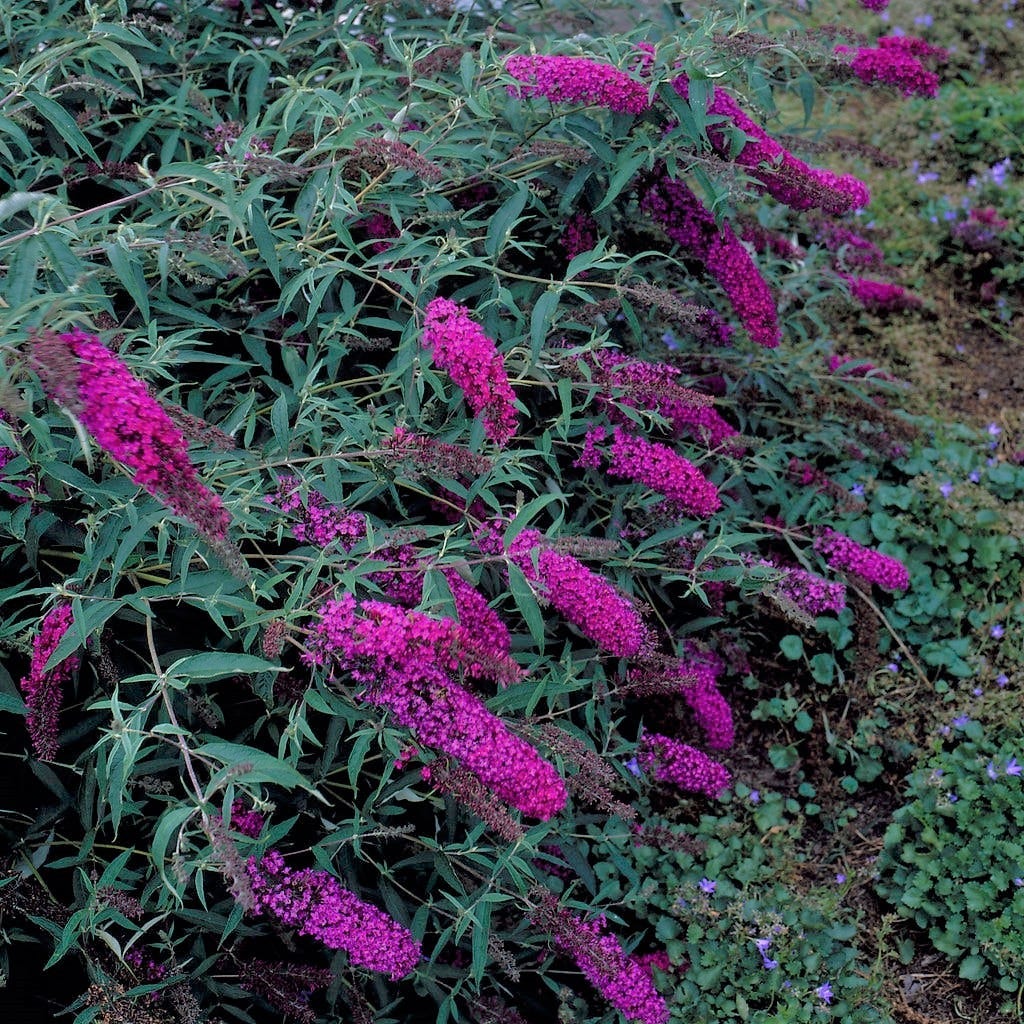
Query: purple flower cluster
pixel 622 979
pixel 852 251
pixel 579 235
pixel 481 635
pixel 687 223
pixel 880 296
pixel 663 470
pixel 43 689
pixel 846 555
pixel 874 5
pixel 315 903
pixel 896 62
pixel 585 599
pixel 321 523
pixel 700 670
pixel 684 766
pixel 784 176
pixel 656 386
pixel 246 820
pixel 576 80
pixel 812 594
pixel 405 661
pixel 472 360
pixel 119 411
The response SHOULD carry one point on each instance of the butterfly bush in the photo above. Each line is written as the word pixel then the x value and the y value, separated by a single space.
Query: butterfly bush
pixel 84 376
pixel 471 359
pixel 576 80
pixel 315 904
pixel 405 661
pixel 620 978
pixel 895 61
pixel 687 223
pixel 784 176
pixel 587 600
pixel 684 766
pixel 43 688
pixel 880 296
pixel 846 555
pixel 655 386
pixel 663 470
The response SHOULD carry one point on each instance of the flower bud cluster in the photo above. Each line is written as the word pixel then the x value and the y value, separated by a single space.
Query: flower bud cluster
pixel 621 979
pixel 846 555
pixel 784 176
pixel 684 766
pixel 405 661
pixel 687 223
pixel 315 903
pixel 576 80
pixel 662 469
pixel 129 423
pixel 43 689
pixel 472 360
pixel 587 600
pixel 896 61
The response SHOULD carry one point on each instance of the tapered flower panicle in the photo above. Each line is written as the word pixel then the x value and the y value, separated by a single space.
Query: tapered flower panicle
pixel 784 176
pixel 845 554
pixel 315 903
pixel 897 61
pixel 126 420
pixel 880 296
pixel 622 979
pixel 587 600
pixel 687 223
pixel 686 767
pixel 405 661
pixel 44 689
pixel 576 80
pixel 663 470
pixel 656 386
pixel 472 360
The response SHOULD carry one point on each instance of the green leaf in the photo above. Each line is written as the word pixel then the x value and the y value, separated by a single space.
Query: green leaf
pixel 973 968
pixel 258 764
pixel 792 646
pixel 220 665
pixel 499 230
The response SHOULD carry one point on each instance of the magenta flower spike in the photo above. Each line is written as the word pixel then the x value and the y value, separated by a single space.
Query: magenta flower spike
pixel 576 80
pixel 472 360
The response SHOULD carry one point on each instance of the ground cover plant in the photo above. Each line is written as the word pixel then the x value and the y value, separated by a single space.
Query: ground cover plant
pixel 455 565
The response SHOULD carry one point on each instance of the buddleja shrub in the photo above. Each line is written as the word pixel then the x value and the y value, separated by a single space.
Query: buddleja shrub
pixel 403 443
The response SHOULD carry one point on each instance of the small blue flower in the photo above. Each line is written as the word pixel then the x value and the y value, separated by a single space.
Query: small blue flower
pixel 994 430
pixel 707 885
pixel 977 691
pixel 858 490
pixel 1002 679
pixel 840 878
pixel 946 489
pixel 755 796
pixel 952 797
pixel 997 631
pixel 1018 882
pixel 893 666
pixel 974 477
pixel 1012 768
pixel 961 721
pixel 991 772
pixel 825 993
pixel 634 767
